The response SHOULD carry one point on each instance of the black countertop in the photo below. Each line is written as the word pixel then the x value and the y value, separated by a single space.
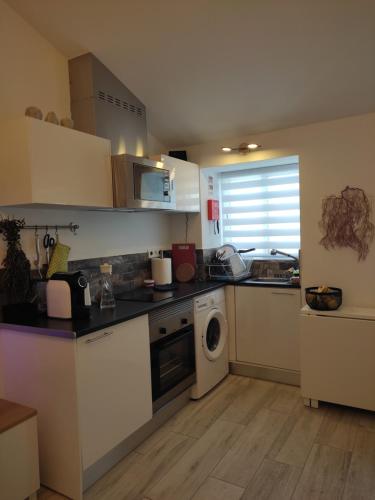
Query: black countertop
pixel 99 318
pixel 124 310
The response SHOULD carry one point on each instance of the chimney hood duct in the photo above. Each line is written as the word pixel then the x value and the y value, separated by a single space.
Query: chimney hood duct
pixel 101 105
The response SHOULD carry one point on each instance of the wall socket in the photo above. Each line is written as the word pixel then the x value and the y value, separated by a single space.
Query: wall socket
pixel 153 252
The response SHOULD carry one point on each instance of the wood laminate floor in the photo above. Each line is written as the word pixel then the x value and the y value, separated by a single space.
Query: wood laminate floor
pixel 249 439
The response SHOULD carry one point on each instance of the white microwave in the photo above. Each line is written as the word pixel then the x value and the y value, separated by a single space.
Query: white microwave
pixel 142 184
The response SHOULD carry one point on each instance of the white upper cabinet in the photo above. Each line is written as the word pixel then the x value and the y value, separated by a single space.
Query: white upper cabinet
pixel 186 183
pixel 43 163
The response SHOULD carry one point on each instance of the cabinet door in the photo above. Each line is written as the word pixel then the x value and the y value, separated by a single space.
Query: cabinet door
pixel 251 313
pixel 49 164
pixel 186 183
pixel 114 386
pixel 281 346
pixel 267 326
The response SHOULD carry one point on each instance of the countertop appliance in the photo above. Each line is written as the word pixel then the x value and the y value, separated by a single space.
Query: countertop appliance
pixel 172 351
pixel 142 184
pixel 211 342
pixel 66 296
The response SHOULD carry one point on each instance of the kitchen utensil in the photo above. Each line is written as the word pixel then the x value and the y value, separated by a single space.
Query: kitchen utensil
pixel 107 299
pixel 48 242
pixel 37 251
pixel 329 300
pixel 183 253
pixel 59 259
pixel 185 272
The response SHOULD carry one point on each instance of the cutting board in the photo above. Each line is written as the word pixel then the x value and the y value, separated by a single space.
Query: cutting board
pixel 184 258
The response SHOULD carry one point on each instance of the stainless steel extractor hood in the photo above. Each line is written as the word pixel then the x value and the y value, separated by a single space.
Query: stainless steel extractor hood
pixel 103 106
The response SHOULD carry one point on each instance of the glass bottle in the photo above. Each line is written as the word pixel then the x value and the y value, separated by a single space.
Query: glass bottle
pixel 107 299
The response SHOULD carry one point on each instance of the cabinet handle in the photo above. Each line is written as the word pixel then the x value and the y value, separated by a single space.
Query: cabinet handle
pixel 102 336
pixel 282 293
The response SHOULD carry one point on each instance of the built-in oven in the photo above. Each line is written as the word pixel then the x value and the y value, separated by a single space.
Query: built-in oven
pixel 140 183
pixel 172 351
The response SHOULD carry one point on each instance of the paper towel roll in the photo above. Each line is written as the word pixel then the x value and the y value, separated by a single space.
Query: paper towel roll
pixel 161 271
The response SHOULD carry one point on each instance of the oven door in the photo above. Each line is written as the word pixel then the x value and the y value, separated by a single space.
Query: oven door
pixel 172 366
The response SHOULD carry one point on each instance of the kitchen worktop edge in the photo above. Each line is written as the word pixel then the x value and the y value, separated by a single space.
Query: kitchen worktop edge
pixel 100 319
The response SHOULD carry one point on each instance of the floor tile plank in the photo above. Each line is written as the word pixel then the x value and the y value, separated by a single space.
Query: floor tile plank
pixel 324 475
pixel 300 438
pixel 273 481
pixel 287 398
pixel 143 473
pixel 360 484
pixel 185 477
pixel 214 489
pixel 242 460
pixel 195 418
pixel 339 428
pixel 250 400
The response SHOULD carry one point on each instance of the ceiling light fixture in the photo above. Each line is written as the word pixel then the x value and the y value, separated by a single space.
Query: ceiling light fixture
pixel 243 148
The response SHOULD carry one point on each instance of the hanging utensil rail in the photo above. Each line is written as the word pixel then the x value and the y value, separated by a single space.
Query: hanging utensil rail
pixel 45 227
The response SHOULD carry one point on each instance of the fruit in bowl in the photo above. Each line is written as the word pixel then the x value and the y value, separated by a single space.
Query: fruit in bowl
pixel 323 298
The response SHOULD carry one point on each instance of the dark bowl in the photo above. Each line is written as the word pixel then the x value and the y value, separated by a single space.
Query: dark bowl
pixel 326 301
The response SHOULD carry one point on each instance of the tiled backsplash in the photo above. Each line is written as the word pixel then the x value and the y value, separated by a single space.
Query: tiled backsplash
pixel 128 271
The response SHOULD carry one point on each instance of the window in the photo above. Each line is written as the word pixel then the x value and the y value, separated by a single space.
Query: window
pixel 260 208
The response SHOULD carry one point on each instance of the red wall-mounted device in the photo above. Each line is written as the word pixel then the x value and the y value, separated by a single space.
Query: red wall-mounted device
pixel 213 210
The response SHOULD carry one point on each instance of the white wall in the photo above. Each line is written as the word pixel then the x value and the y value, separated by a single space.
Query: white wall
pixel 33 72
pixel 332 155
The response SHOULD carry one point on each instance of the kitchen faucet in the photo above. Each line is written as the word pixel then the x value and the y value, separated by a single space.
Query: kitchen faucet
pixel 274 251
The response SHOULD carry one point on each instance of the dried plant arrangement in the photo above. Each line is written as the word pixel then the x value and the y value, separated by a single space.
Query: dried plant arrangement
pixel 16 279
pixel 346 221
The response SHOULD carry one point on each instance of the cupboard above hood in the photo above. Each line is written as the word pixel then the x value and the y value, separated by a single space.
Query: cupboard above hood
pixel 101 105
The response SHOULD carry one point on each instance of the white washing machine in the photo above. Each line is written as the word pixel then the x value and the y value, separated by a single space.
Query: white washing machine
pixel 211 341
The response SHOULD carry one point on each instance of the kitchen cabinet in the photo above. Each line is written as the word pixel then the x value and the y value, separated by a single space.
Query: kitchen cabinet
pixel 90 393
pixel 186 183
pixel 46 164
pixel 337 356
pixel 267 331
pixel 109 365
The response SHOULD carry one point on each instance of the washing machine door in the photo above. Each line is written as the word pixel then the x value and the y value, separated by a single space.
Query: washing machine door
pixel 215 333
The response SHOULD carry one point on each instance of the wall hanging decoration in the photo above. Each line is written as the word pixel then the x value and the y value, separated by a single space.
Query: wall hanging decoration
pixel 346 221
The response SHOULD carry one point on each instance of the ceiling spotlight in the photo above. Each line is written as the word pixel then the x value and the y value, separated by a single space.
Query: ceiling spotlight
pixel 243 148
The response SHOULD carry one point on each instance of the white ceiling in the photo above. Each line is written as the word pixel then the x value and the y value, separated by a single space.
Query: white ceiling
pixel 209 69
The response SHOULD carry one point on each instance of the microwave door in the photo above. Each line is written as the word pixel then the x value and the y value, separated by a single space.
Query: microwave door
pixel 151 185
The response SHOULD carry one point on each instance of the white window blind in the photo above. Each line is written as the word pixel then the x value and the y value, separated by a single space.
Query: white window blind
pixel 260 208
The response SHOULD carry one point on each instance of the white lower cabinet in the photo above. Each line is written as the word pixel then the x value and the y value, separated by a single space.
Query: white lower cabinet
pixel 114 386
pixel 267 328
pixel 90 394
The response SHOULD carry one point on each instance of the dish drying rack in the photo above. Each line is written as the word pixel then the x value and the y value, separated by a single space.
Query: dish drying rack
pixel 224 272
